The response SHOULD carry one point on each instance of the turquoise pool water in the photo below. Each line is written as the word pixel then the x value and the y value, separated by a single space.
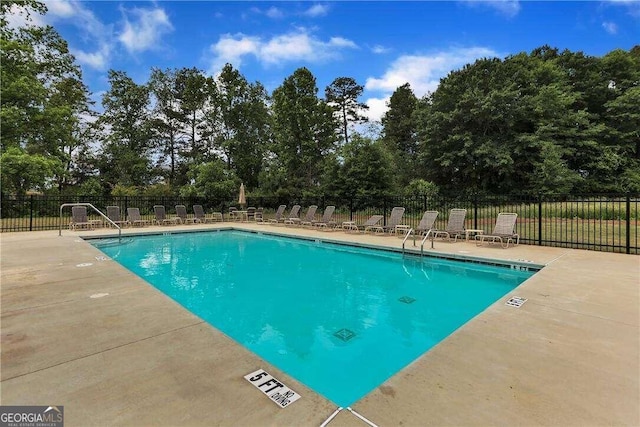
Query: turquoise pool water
pixel 339 319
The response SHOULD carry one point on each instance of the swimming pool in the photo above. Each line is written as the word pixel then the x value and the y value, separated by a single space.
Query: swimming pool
pixel 338 318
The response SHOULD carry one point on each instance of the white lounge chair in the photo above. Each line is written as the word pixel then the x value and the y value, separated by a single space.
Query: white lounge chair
pixel 504 231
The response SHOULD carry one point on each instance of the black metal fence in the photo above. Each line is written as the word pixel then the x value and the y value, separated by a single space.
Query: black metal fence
pixel 596 222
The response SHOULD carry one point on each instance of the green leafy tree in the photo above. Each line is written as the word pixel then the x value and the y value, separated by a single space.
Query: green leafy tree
pixel 22 172
pixel 128 144
pixel 366 171
pixel 237 123
pixel 421 187
pixel 167 117
pixel 490 126
pixel 120 190
pixel 43 100
pixel 192 88
pixel 212 180
pixel 551 173
pixel 304 130
pixel 399 133
pixel 343 94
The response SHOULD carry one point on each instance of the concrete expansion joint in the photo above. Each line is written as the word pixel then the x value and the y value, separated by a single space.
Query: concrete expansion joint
pixel 608 319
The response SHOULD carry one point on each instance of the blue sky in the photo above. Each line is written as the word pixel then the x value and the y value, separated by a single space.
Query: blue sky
pixel 380 44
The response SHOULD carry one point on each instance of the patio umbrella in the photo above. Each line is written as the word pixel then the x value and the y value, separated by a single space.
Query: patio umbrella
pixel 242 200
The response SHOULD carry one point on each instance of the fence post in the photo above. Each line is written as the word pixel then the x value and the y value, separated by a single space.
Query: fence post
pixel 384 212
pixel 31 215
pixel 351 208
pixel 539 220
pixel 475 211
pixel 628 223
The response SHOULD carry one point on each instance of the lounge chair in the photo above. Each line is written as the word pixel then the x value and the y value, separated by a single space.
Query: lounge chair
pixel 161 216
pixel 200 216
pixel 352 226
pixel 325 221
pixel 133 215
pixel 426 223
pixel 251 213
pixel 504 231
pixel 394 221
pixel 278 216
pixel 79 218
pixel 311 214
pixel 113 213
pixel 181 213
pixel 259 216
pixel 293 213
pixel 455 226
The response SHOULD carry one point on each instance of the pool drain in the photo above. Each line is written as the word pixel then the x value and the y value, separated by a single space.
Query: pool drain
pixel 344 334
pixel 407 300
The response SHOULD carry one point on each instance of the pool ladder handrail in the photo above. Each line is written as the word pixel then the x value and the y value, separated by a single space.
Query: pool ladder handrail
pixel 64 205
pixel 409 232
pixel 426 236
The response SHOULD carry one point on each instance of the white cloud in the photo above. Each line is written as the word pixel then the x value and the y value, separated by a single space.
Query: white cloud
pixel 274 12
pixel 422 72
pixel 509 8
pixel 610 27
pixel 61 8
pixel 146 30
pixel 297 45
pixel 98 60
pixel 230 49
pixel 377 108
pixel 317 10
pixel 342 42
pixel 378 49
pixel 94 32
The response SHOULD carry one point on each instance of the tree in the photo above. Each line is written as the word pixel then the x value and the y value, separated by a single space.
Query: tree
pixel 43 101
pixel 237 123
pixel 495 126
pixel 22 172
pixel 211 180
pixel 167 116
pixel 304 130
pixel 343 94
pixel 366 171
pixel 399 133
pixel 127 143
pixel 192 93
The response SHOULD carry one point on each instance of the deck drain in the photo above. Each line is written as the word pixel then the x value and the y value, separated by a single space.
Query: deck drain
pixel 344 334
pixel 516 302
pixel 407 300
pixel 84 264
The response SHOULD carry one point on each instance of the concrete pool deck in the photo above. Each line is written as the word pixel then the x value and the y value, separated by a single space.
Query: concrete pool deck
pixel 569 356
